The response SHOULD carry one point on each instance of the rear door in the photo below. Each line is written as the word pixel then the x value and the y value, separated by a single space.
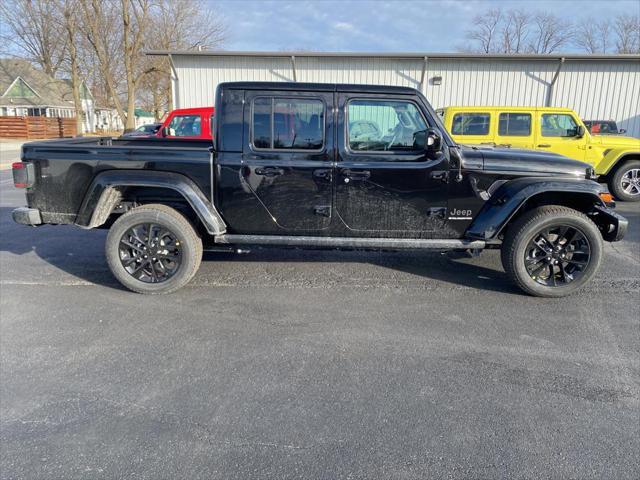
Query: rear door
pixel 288 158
pixel 384 185
pixel 515 129
pixel 472 128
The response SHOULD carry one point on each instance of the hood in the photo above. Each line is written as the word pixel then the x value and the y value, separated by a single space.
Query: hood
pixel 614 141
pixel 511 161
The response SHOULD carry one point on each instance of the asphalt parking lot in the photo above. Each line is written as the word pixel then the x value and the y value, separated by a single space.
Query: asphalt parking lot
pixel 293 364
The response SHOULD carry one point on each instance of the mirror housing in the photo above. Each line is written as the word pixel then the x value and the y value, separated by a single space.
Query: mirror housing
pixel 580 131
pixel 428 140
pixel 622 131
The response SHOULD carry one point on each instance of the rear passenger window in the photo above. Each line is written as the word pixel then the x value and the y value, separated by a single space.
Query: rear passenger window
pixel 514 125
pixel 470 124
pixel 288 124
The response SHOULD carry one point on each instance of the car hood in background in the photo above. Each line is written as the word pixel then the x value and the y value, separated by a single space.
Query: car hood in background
pixel 616 141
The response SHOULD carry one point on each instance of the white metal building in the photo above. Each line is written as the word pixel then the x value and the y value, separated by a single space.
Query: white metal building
pixel 598 87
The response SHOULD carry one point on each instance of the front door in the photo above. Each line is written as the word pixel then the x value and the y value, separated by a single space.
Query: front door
pixel 288 159
pixel 557 133
pixel 384 185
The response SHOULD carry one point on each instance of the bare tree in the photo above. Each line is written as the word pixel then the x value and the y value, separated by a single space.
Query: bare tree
pixel 514 31
pixel 627 33
pixel 135 16
pixel 593 36
pixel 549 33
pixel 102 32
pixel 176 25
pixel 70 23
pixel 30 27
pixel 485 30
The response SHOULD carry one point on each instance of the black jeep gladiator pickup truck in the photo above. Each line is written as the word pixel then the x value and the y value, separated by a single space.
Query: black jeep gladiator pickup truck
pixel 320 166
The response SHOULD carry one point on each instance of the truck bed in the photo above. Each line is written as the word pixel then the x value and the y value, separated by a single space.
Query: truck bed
pixel 65 168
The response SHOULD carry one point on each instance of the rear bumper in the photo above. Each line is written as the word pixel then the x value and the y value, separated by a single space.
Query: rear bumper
pixel 27 216
pixel 612 225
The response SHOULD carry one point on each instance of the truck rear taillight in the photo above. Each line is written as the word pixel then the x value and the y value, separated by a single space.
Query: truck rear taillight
pixel 23 174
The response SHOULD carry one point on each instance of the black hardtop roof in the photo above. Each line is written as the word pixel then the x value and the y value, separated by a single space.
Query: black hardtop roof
pixel 317 87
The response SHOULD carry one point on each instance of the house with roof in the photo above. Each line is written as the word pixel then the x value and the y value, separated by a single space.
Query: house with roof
pixel 27 91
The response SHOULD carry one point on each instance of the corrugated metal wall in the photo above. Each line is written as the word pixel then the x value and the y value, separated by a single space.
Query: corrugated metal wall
pixel 603 89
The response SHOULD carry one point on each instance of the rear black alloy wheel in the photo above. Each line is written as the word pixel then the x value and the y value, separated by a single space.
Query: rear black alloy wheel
pixel 153 249
pixel 557 256
pixel 150 253
pixel 552 251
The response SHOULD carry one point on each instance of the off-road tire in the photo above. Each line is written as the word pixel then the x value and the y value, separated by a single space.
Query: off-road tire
pixel 172 220
pixel 525 228
pixel 615 181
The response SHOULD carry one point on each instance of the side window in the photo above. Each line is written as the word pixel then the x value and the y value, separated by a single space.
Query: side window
pixel 558 125
pixel 185 126
pixel 470 124
pixel 514 125
pixel 287 124
pixel 381 125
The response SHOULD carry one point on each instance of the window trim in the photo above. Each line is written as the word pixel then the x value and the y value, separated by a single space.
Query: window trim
pixel 347 145
pixel 273 98
pixel 556 114
pixel 498 134
pixel 462 112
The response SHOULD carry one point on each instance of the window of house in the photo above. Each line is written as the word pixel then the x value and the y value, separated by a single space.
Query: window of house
pixel 287 123
pixel 383 125
pixel 514 125
pixel 558 125
pixel 471 124
pixel 185 126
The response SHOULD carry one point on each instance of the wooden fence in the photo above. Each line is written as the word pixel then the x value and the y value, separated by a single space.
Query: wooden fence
pixel 33 128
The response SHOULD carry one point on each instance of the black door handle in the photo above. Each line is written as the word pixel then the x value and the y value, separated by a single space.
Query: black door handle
pixel 323 173
pixel 268 171
pixel 544 145
pixel 357 174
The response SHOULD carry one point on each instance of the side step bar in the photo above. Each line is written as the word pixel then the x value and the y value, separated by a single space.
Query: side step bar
pixel 347 242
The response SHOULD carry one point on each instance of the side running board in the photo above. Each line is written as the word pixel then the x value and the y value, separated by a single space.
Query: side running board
pixel 347 242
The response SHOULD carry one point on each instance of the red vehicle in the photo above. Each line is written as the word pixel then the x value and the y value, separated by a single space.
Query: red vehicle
pixel 187 123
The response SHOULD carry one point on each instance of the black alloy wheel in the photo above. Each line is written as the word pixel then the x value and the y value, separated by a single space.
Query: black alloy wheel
pixel 153 249
pixel 150 253
pixel 557 256
pixel 552 251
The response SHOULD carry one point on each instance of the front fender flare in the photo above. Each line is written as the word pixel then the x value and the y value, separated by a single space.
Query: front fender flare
pixel 512 195
pixel 103 195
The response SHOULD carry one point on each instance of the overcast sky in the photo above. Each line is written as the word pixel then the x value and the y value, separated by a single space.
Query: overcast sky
pixel 419 26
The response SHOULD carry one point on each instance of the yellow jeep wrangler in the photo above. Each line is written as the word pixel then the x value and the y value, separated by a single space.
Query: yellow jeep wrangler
pixel 615 158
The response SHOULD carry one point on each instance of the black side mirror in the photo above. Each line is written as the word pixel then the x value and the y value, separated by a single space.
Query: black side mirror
pixel 580 131
pixel 428 140
pixel 622 131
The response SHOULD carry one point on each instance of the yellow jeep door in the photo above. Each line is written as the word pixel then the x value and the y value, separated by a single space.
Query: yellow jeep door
pixel 472 128
pixel 558 133
pixel 515 130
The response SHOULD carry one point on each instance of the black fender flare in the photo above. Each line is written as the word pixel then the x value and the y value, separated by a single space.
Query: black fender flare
pixel 511 196
pixel 103 194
